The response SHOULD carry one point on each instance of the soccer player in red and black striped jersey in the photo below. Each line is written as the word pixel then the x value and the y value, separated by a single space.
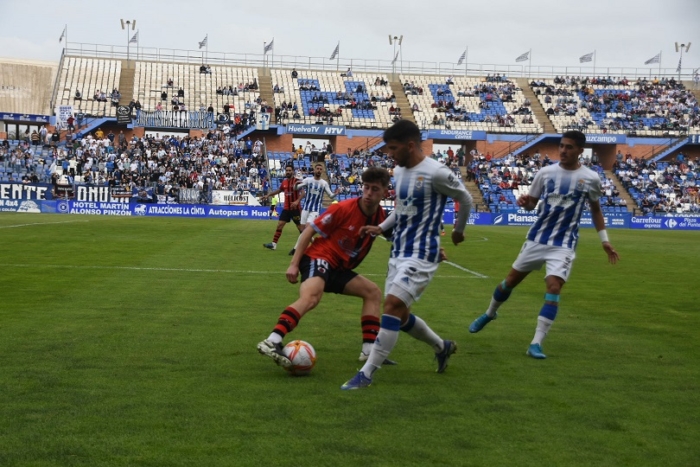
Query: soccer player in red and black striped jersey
pixel 290 209
pixel 327 264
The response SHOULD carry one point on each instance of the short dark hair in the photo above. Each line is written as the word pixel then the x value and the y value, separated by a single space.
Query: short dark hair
pixel 403 131
pixel 376 175
pixel 576 136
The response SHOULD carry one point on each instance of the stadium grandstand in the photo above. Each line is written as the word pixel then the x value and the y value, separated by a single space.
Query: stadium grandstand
pixel 174 128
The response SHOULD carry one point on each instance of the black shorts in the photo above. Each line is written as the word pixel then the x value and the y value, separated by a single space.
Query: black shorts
pixel 291 216
pixel 335 279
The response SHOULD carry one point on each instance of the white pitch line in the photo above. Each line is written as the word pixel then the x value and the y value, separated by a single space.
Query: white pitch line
pixel 37 223
pixel 219 271
pixel 480 276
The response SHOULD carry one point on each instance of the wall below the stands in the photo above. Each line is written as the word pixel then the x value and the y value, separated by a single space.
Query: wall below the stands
pixel 281 143
pixel 690 151
pixel 495 147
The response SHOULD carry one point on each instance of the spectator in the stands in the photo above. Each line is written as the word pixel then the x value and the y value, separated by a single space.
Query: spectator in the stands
pixel 78 95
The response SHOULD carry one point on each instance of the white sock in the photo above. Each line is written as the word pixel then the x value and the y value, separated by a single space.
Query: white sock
pixel 543 325
pixel 493 307
pixel 422 332
pixel 386 340
pixel 275 338
pixel 296 245
pixel 367 347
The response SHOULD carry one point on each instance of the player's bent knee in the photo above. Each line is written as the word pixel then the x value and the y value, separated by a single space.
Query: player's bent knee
pixel 312 301
pixel 554 284
pixel 373 293
pixel 394 306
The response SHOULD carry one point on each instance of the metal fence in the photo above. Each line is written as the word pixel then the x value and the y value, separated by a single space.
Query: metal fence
pixel 358 65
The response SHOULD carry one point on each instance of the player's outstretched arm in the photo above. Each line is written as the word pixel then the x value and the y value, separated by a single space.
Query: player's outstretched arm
pixel 613 256
pixel 372 230
pixel 272 194
pixel 375 230
pixel 599 223
pixel 445 182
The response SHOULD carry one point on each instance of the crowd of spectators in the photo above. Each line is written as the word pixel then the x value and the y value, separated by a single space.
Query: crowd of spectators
pixel 163 165
pixel 661 187
pixel 655 104
pixel 503 91
pixel 232 90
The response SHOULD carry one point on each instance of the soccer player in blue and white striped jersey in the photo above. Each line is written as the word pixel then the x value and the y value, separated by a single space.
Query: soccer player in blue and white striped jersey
pixel 564 188
pixel 315 188
pixel 422 188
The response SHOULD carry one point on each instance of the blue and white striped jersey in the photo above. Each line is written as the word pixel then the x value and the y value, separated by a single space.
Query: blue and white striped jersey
pixel 421 193
pixel 313 200
pixel 564 194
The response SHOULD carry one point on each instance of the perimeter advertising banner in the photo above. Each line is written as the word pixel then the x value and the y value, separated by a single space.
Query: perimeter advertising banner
pixel 134 209
pixel 676 222
pixel 525 218
pixel 475 218
pixel 36 198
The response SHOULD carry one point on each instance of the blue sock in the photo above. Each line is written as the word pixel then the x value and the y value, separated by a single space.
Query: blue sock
pixel 502 293
pixel 549 310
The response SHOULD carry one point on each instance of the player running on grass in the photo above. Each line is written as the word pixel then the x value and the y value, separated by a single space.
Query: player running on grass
pixel 327 264
pixel 551 241
pixel 315 187
pixel 290 210
pixel 422 188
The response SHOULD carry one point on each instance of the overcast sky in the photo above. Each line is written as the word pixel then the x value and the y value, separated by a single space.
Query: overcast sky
pixel 625 33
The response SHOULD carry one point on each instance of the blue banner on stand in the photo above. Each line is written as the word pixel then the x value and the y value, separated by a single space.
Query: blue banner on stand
pixel 315 130
pixel 606 139
pixel 24 117
pixel 457 134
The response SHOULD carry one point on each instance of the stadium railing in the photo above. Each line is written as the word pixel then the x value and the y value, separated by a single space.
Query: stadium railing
pixel 368 65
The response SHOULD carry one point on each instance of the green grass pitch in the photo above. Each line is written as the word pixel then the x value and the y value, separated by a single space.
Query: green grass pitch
pixel 131 342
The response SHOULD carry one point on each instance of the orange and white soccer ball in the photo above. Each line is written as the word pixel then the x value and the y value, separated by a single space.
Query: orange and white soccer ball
pixel 302 356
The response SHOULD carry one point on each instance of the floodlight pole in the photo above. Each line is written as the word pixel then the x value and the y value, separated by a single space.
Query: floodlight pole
pixel 680 49
pixel 126 25
pixel 392 41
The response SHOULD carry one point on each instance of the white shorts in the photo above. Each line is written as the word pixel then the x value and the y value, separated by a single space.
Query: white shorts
pixel 559 260
pixel 308 217
pixel 407 278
